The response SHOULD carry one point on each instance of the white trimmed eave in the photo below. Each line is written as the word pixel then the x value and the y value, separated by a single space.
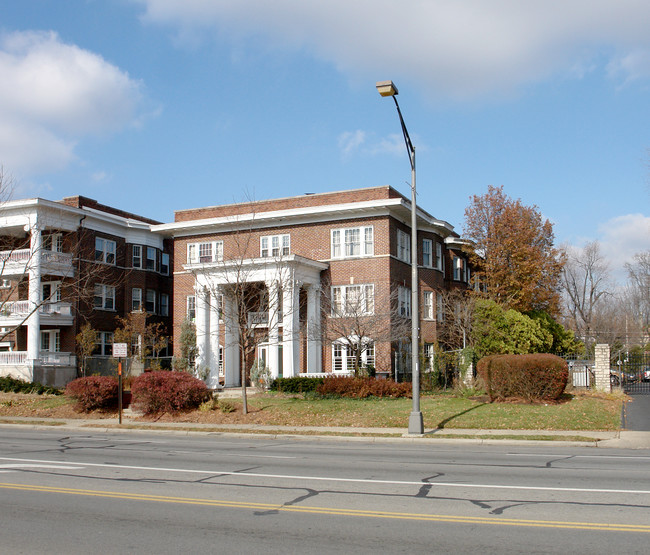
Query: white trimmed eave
pixel 397 207
pixel 291 267
pixel 458 243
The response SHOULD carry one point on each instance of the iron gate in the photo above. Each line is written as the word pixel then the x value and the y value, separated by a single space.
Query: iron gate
pixel 632 373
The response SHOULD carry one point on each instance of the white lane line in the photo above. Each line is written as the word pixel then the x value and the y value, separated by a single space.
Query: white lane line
pixel 342 480
pixel 4 468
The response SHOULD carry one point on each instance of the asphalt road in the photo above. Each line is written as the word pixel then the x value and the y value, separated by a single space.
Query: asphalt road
pixel 89 492
pixel 636 413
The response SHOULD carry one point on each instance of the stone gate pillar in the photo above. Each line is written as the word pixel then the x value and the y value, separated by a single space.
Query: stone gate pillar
pixel 601 368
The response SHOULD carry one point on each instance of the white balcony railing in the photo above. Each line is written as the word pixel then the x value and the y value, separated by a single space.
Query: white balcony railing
pixel 18 261
pixel 258 319
pixel 23 308
pixel 12 358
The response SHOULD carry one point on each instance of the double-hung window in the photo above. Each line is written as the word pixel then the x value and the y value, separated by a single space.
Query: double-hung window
pixel 136 256
pixel 191 308
pixel 164 264
pixel 439 258
pixel 460 273
pixel 404 301
pixel 274 245
pixel 136 299
pixel 104 345
pixel 104 298
pixel 352 242
pixel 104 250
pixel 164 304
pixel 403 246
pixel 53 242
pixel 201 253
pixel 343 355
pixel 427 297
pixel 151 258
pixel 353 300
pixel 427 257
pixel 150 301
pixel 440 309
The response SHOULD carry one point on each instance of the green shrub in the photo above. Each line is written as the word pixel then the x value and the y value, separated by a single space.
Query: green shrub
pixel 13 385
pixel 360 388
pixel 297 384
pixel 166 391
pixel 532 377
pixel 93 392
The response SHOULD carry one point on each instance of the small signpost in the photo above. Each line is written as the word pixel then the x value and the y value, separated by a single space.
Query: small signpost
pixel 119 352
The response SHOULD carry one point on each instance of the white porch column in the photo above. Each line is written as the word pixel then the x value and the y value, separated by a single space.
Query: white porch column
pixel 202 328
pixel 34 320
pixel 231 347
pixel 314 345
pixel 213 380
pixel 290 329
pixel 273 358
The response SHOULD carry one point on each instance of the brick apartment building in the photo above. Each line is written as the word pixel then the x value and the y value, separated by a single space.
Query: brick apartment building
pixel 310 264
pixel 70 262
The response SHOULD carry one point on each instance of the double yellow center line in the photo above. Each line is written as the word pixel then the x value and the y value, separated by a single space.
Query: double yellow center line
pixel 333 511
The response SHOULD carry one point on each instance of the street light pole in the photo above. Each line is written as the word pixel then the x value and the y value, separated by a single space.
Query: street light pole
pixel 416 425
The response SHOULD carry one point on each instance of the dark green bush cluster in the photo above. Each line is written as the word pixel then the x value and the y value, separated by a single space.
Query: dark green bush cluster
pixel 93 392
pixel 167 391
pixel 297 384
pixel 13 385
pixel 360 388
pixel 534 377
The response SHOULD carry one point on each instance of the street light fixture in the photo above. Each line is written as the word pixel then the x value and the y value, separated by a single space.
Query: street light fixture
pixel 416 425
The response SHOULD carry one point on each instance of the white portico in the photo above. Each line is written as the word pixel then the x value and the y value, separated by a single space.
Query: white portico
pixel 229 319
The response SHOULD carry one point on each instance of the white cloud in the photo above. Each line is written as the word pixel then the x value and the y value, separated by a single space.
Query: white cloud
pixel 621 238
pixel 51 95
pixel 461 49
pixel 350 141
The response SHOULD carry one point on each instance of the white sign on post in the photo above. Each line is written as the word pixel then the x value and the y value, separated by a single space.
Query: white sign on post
pixel 119 350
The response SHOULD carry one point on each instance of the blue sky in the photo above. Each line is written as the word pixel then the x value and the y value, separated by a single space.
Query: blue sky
pixel 159 105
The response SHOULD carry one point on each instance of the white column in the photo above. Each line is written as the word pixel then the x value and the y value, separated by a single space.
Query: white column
pixel 213 380
pixel 202 328
pixel 231 346
pixel 34 320
pixel 314 346
pixel 273 359
pixel 290 329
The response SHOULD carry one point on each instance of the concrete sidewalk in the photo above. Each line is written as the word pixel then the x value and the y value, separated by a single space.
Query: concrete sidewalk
pixel 620 439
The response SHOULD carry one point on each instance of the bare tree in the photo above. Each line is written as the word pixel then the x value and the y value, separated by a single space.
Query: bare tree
pixel 457 312
pixel 360 316
pixel 638 289
pixel 586 285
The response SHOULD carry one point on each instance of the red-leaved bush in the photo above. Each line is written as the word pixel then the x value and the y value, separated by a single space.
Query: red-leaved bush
pixel 93 392
pixel 167 391
pixel 361 388
pixel 534 377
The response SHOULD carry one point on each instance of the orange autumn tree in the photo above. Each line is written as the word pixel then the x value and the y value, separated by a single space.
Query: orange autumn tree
pixel 514 257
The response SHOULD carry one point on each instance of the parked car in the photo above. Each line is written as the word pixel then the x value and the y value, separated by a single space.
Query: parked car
pixel 621 377
pixel 645 375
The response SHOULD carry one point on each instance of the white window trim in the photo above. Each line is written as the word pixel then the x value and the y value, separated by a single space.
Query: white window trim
pixel 55 287
pixel 427 302
pixel 137 248
pixel 339 246
pixel 54 340
pixel 281 248
pixel 440 260
pixel 155 301
pixel 154 259
pixel 403 246
pixel 190 306
pixel 366 300
pixel 105 250
pixel 106 292
pixel 346 358
pixel 105 340
pixel 427 252
pixel 135 296
pixel 194 256
pixel 404 301
pixel 164 306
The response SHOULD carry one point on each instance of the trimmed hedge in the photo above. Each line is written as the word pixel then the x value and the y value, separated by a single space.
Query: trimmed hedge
pixel 93 392
pixel 534 377
pixel 14 385
pixel 297 384
pixel 361 388
pixel 167 391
